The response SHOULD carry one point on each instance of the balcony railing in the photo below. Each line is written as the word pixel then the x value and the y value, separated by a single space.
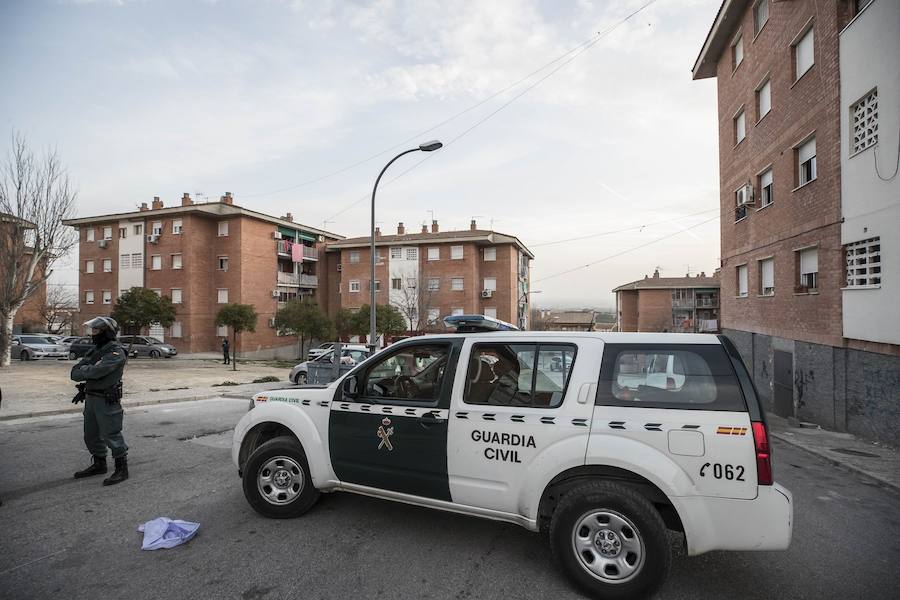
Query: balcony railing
pixel 707 302
pixel 284 248
pixel 309 280
pixel 288 278
pixel 683 303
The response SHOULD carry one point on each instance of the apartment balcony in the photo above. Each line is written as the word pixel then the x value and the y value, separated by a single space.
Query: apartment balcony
pixel 707 303
pixel 310 281
pixel 284 249
pixel 683 303
pixel 288 278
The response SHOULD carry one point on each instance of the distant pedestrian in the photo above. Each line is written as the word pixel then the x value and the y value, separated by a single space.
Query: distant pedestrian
pixel 225 351
pixel 100 372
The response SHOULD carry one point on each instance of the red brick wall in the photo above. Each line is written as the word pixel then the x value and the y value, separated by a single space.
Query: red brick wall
pixel 98 280
pixel 628 310
pixel 654 310
pixel 798 217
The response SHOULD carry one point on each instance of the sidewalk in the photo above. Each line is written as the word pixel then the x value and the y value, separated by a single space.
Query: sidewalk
pixel 845 450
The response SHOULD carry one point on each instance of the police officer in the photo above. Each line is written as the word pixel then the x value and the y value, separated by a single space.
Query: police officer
pixel 101 391
pixel 225 351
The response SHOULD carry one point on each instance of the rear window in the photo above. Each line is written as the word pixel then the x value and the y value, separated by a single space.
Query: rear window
pixel 519 374
pixel 681 376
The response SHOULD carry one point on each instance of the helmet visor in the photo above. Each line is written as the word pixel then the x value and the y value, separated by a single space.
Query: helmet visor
pixel 98 324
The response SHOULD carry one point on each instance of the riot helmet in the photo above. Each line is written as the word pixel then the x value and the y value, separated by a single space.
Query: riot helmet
pixel 103 330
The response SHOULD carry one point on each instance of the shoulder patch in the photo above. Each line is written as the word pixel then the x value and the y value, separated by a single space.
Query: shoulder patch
pixel 115 353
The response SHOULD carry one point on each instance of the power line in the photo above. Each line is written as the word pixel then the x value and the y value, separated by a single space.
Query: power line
pixel 617 254
pixel 574 54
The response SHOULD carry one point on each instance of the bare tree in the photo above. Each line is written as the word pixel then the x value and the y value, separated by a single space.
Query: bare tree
pixel 57 311
pixel 414 304
pixel 35 196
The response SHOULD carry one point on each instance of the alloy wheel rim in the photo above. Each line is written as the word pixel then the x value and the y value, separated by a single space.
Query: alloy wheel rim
pixel 608 546
pixel 280 480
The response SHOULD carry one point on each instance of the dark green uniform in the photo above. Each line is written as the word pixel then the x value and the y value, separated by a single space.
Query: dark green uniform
pixel 101 371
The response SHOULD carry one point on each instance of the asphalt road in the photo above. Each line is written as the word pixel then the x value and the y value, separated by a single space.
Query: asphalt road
pixel 61 538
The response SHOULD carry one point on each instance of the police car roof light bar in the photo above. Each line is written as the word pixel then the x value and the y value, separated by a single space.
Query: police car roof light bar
pixel 476 324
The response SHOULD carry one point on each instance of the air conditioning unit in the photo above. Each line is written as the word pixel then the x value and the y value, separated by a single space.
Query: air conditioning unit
pixel 487 293
pixel 103 243
pixel 744 195
pixel 321 238
pixel 339 267
pixel 275 293
pixel 152 239
pixel 276 235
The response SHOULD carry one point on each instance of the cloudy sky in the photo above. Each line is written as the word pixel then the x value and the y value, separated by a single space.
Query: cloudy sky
pixel 296 106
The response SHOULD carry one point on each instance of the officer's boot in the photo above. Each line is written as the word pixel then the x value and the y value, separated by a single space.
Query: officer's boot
pixel 120 474
pixel 98 467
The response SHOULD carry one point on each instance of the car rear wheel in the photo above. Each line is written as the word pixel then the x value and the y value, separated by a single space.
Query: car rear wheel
pixel 276 479
pixel 24 355
pixel 301 378
pixel 610 541
pixel 154 354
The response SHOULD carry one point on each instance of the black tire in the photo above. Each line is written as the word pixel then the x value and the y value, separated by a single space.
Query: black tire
pixel 24 355
pixel 72 356
pixel 301 378
pixel 290 451
pixel 155 354
pixel 627 508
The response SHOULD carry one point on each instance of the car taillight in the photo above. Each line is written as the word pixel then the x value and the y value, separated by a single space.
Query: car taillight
pixel 763 454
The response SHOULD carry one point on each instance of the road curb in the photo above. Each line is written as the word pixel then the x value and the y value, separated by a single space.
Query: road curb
pixel 789 439
pixel 77 410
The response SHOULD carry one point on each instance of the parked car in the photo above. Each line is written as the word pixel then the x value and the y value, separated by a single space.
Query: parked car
pixel 80 347
pixel 68 340
pixel 33 346
pixel 142 345
pixel 319 350
pixel 604 455
pixel 351 354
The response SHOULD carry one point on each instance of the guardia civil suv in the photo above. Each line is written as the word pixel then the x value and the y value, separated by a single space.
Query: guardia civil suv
pixel 603 440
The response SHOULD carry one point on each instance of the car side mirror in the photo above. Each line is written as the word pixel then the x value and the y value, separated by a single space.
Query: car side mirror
pixel 351 387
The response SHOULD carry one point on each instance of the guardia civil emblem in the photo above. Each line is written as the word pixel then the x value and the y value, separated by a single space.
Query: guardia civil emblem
pixel 384 433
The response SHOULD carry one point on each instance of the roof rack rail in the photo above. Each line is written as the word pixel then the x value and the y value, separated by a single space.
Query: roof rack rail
pixel 476 324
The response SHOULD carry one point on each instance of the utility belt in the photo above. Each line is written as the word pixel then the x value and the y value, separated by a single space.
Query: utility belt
pixel 110 394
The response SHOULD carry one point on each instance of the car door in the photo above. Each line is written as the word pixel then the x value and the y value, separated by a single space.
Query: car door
pixel 391 432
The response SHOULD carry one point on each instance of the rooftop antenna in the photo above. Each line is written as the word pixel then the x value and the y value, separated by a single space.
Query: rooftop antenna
pixel 688 269
pixel 325 224
pixel 199 195
pixel 492 222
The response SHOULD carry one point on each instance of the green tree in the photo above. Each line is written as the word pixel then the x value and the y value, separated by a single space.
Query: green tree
pixel 347 323
pixel 239 317
pixel 139 308
pixel 388 320
pixel 305 319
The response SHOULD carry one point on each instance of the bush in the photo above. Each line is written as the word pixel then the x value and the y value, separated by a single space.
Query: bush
pixel 266 379
pixel 225 383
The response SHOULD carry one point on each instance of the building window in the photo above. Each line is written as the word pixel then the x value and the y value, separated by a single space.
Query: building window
pixel 223 228
pixel 354 257
pixel 175 330
pixel 222 296
pixel 89 296
pixel 490 254
pixel 456 311
pixel 176 261
pixel 741 274
pixel 354 285
pixel 456 284
pixel 176 226
pixel 434 254
pixel 740 127
pixel 490 311
pixel 157 228
pixel 863 263
pixel 89 235
pixel 176 295
pixel 760 15
pixel 222 331
pixel 397 253
pixel 490 284
pixel 396 283
pixel 123 233
pixel 434 316
pixel 456 252
pixel 803 54
pixel 806 162
pixel 223 263
pixel 139 229
pixel 137 261
pixel 763 99
pixel 155 262
pixel 808 260
pixel 107 233
pixel 156 291
pixel 864 122
pixel 767 277
pixel 107 297
pixel 377 285
pixel 766 188
pixel 125 261
pixel 434 284
pixel 107 265
pixel 411 283
pixel 412 254
pixel 737 52
pixel 88 266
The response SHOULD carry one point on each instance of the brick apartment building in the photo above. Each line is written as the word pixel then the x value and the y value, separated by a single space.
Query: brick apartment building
pixel 431 274
pixel 674 304
pixel 203 256
pixel 28 317
pixel 797 254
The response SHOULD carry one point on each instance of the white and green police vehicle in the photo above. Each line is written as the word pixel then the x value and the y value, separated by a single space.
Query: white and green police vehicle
pixel 603 440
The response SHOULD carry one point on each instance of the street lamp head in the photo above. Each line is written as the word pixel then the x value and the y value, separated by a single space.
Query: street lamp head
pixel 430 146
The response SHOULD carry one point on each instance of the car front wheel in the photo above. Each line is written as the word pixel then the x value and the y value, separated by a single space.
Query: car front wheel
pixel 24 355
pixel 610 541
pixel 72 356
pixel 154 354
pixel 301 378
pixel 276 480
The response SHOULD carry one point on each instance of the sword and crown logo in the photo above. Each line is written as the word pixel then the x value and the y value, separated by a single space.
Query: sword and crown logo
pixel 384 433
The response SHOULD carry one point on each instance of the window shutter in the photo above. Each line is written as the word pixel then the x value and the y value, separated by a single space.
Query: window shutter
pixel 807 151
pixel 768 273
pixel 804 53
pixel 742 280
pixel 765 98
pixel 809 261
pixel 766 178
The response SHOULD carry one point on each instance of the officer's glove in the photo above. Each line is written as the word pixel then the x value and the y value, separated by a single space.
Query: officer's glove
pixel 79 397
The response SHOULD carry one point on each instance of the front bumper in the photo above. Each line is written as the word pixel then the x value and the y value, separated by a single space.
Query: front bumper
pixel 38 354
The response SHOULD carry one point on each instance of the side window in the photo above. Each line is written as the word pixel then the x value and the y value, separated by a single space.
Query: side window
pixel 669 376
pixel 413 373
pixel 533 375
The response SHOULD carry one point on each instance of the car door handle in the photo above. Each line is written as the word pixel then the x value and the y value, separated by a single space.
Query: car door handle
pixel 429 420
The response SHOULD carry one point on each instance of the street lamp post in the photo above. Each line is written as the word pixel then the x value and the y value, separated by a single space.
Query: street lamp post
pixel 426 147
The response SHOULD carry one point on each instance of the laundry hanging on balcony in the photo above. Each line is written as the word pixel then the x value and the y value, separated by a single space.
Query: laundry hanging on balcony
pixel 297 252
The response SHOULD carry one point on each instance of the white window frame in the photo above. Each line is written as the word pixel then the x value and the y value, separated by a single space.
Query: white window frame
pixel 737 51
pixel 89 266
pixel 222 331
pixel 137 260
pixel 107 297
pixel 766 175
pixel 353 286
pixel 396 253
pixel 353 257
pixel 396 283
pixel 177 226
pixel 764 90
pixel 802 150
pixel 157 291
pixel 434 284
pixel 740 126
pixel 157 228
pixel 139 229
pixel 805 268
pixel 156 262
pixel 88 296
pixel 107 232
pixel 766 269
pixel 175 330
pixel 453 284
pixel 490 283
pixel 125 261
pixel 456 311
pixel 223 229
pixel 798 46
pixel 221 263
pixel 457 253
pixel 434 253
pixel 490 254
pixel 123 232
pixel 412 254
pixel 490 311
pixel 177 298
pixel 89 234
pixel 222 296
pixel 180 264
pixel 863 264
pixel 107 265
pixel 757 23
pixel 741 273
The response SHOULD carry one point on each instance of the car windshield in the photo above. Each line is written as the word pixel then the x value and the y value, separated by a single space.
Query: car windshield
pixel 151 340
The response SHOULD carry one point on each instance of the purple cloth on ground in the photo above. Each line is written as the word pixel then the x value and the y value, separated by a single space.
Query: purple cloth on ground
pixel 164 532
